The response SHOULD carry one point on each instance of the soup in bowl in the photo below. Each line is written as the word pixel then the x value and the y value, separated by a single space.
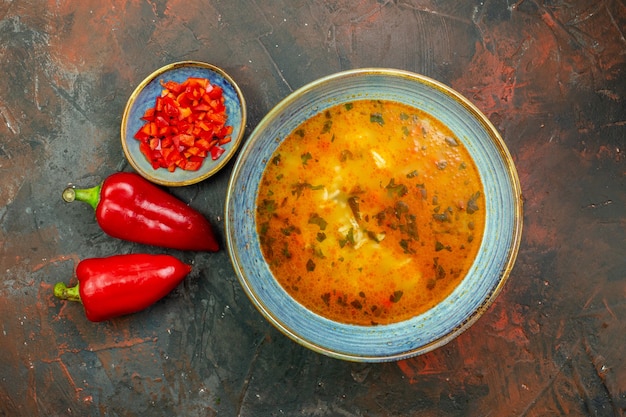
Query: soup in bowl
pixel 373 215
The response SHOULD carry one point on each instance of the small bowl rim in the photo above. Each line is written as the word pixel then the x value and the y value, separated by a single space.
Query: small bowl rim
pixel 504 272
pixel 223 160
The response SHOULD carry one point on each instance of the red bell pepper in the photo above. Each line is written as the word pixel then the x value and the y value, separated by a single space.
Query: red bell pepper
pixel 122 284
pixel 131 208
pixel 194 108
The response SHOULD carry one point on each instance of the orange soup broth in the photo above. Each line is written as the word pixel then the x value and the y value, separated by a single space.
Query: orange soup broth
pixel 370 212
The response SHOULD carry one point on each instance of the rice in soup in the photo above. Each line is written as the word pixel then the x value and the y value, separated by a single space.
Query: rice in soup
pixel 370 212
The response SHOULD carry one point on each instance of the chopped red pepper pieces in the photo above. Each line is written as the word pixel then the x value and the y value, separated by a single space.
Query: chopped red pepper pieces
pixel 186 124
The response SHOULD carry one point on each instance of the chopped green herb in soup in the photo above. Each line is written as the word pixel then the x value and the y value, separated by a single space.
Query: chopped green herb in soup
pixel 370 212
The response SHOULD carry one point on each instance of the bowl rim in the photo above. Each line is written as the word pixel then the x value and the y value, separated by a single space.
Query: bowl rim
pixel 223 160
pixel 517 214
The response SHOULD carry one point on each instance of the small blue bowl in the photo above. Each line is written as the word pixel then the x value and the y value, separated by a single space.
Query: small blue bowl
pixel 464 305
pixel 144 98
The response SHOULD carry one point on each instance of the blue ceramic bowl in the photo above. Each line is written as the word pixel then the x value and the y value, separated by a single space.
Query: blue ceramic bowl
pixel 467 302
pixel 144 98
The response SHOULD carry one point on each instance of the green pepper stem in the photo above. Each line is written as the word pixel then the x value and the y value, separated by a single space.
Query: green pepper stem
pixel 62 292
pixel 90 196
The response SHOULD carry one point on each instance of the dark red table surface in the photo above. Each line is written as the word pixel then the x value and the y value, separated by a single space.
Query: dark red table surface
pixel 550 75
